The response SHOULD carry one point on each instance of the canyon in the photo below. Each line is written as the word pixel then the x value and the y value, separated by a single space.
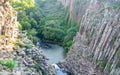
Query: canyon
pixel 95 49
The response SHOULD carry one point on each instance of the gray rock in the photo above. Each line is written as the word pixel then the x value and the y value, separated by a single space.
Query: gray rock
pixel 1 67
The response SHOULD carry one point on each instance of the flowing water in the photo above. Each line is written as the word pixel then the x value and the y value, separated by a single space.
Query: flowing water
pixel 55 53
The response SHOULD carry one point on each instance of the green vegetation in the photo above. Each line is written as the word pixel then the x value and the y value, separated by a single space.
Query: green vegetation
pixel 22 4
pixel 27 46
pixel 1 62
pixel 26 69
pixel 102 64
pixel 118 53
pixel 116 7
pixel 47 19
pixel 91 55
pixel 78 56
pixel 9 64
pixel 118 65
pixel 37 67
pixel 109 69
pixel 44 73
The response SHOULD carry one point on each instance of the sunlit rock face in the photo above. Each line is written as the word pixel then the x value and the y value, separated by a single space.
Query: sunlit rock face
pixel 8 26
pixel 96 47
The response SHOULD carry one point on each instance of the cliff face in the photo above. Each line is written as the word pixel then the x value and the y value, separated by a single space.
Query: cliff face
pixel 26 59
pixel 8 26
pixel 96 47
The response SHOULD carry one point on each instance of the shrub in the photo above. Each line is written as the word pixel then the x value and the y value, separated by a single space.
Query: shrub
pixel 118 65
pixel 116 7
pixel 78 56
pixel 1 62
pixel 91 55
pixel 26 69
pixel 37 67
pixel 19 26
pixel 44 73
pixel 10 64
pixel 103 64
pixel 118 53
pixel 27 46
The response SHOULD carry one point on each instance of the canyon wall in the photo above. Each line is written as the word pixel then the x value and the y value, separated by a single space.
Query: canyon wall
pixel 96 47
pixel 30 59
pixel 8 26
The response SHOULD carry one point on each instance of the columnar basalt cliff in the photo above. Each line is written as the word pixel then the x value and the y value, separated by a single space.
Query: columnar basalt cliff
pixel 96 47
pixel 8 26
pixel 18 55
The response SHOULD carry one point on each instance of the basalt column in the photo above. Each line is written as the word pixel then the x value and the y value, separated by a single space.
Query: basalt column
pixel 8 26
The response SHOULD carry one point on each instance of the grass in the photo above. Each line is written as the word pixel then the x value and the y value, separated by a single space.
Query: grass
pixel 9 64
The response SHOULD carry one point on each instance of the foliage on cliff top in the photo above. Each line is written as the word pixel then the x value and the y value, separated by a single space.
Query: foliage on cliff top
pixel 22 4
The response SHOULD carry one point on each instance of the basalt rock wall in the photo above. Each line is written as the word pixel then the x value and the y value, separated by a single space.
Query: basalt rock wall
pixel 96 47
pixel 8 26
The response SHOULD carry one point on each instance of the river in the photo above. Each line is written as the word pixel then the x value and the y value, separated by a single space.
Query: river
pixel 55 53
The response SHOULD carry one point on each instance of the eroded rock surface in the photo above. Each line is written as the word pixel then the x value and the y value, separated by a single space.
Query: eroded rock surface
pixel 96 47
pixel 8 26
pixel 16 47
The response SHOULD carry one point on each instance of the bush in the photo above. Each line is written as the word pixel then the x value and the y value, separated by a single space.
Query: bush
pixel 37 67
pixel 19 26
pixel 44 73
pixel 118 53
pixel 103 64
pixel 27 46
pixel 10 64
pixel 1 62
pixel 118 65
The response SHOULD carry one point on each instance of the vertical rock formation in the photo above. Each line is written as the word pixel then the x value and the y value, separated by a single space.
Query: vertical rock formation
pixel 27 56
pixel 96 47
pixel 8 26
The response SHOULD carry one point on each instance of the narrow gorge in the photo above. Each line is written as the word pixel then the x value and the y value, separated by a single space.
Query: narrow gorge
pixel 87 31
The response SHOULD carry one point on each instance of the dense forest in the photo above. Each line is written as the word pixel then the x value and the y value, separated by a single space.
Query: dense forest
pixel 47 20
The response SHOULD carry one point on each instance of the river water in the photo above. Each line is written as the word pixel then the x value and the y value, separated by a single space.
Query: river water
pixel 55 53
